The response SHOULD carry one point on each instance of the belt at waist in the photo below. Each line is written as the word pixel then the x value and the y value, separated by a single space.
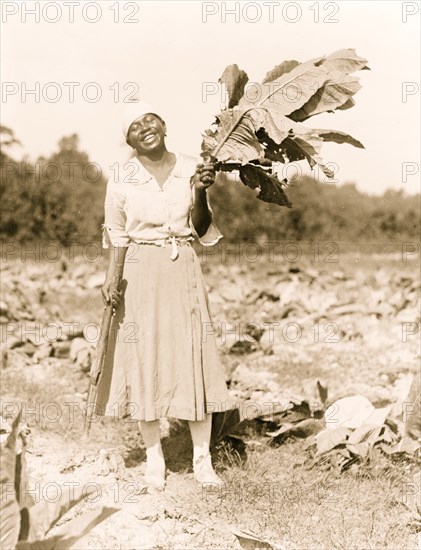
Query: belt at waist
pixel 174 241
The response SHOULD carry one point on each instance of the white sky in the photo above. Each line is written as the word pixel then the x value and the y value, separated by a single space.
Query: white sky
pixel 171 52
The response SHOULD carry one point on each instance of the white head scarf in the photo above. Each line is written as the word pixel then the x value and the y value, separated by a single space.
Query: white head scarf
pixel 132 111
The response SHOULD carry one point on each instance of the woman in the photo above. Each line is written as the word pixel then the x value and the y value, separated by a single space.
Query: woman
pixel 162 361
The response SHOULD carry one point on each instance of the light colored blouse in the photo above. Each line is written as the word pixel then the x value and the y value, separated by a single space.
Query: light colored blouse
pixel 138 210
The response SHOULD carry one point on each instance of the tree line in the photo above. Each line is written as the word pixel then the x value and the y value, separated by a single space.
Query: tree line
pixel 61 198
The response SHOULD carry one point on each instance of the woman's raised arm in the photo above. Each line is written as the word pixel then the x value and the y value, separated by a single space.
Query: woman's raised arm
pixel 201 216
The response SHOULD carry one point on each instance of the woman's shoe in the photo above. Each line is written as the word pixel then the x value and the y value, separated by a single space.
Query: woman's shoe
pixel 204 472
pixel 155 470
pixel 155 482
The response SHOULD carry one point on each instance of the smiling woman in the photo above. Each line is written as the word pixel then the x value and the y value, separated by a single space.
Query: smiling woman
pixel 145 135
pixel 159 363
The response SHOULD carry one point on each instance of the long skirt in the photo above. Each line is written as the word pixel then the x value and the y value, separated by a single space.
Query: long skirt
pixel 162 358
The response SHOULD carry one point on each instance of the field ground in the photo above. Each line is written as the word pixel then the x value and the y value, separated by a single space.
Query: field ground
pixel 354 325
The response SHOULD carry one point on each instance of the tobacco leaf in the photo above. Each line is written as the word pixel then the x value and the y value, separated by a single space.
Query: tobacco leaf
pixel 346 60
pixel 305 147
pixel 323 392
pixel 335 93
pixel 327 440
pixel 270 187
pixel 234 137
pixel 249 540
pixel 42 517
pixel 9 507
pixel 235 80
pixel 265 121
pixel 338 137
pixel 290 91
pixel 279 70
pixel 71 532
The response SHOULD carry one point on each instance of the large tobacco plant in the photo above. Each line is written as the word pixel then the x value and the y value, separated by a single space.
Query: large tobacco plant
pixel 263 123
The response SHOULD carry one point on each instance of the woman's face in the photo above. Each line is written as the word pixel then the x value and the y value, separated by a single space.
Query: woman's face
pixel 146 133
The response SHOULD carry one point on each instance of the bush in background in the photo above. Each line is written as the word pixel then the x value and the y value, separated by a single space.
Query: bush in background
pixel 61 198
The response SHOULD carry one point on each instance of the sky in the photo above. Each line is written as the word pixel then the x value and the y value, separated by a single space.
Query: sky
pixel 173 52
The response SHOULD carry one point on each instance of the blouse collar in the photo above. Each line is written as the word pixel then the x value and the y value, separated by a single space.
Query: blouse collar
pixel 143 175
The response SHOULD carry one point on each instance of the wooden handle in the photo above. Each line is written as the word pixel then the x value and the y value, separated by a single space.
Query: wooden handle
pixel 101 347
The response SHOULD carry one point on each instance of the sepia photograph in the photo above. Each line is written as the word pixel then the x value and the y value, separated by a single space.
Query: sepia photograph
pixel 210 276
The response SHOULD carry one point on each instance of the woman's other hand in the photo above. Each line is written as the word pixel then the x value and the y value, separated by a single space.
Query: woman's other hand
pixel 204 176
pixel 107 296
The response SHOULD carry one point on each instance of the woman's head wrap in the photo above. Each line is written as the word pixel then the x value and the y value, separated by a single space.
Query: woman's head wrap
pixel 134 110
